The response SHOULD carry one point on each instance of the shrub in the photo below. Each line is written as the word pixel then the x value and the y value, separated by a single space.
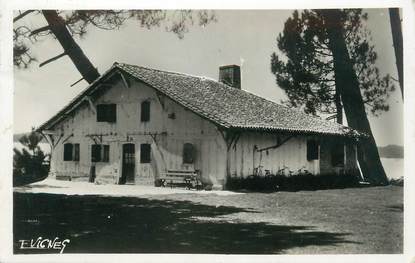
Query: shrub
pixel 279 182
pixel 29 167
pixel 397 182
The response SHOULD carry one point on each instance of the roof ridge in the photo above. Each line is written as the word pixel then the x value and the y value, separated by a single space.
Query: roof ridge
pixel 166 71
pixel 203 77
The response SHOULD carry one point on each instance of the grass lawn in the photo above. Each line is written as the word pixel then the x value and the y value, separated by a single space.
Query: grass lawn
pixel 355 220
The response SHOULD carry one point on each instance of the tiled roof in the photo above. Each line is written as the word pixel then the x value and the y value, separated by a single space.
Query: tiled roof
pixel 229 107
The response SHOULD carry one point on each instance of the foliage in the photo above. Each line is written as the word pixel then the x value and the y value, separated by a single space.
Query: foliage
pixel 305 69
pixel 79 21
pixel 31 141
pixel 28 166
pixel 295 182
pixel 398 182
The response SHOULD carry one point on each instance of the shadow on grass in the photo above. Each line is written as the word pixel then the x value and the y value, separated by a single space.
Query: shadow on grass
pixel 97 224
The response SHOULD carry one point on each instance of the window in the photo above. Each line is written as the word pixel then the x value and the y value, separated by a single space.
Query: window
pixel 145 153
pixel 145 111
pixel 100 153
pixel 67 151
pixel 188 153
pixel 107 113
pixel 71 152
pixel 312 150
pixel 337 154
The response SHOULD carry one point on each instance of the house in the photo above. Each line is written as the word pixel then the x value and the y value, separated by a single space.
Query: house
pixel 133 123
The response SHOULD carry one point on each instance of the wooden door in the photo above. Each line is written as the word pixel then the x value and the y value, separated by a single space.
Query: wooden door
pixel 128 163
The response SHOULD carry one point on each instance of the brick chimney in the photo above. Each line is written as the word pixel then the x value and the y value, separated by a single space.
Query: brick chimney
pixel 230 75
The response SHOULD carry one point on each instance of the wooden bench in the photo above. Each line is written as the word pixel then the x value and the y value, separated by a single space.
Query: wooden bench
pixel 63 177
pixel 189 178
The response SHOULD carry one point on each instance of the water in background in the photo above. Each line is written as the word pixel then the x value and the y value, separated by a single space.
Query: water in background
pixel 393 167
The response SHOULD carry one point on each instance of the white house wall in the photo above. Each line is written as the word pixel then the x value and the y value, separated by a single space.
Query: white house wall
pixel 170 127
pixel 290 156
pixel 167 137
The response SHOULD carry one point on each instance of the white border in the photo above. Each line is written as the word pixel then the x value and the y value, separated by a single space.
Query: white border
pixel 6 122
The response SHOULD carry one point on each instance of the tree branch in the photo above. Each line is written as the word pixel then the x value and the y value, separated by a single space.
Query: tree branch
pixel 319 44
pixel 52 59
pixel 39 30
pixel 323 53
pixel 21 15
pixel 392 78
pixel 326 80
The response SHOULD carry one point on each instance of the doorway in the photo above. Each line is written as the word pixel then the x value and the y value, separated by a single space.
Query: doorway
pixel 128 164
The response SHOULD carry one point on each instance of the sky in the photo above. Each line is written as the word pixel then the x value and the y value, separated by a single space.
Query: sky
pixel 243 37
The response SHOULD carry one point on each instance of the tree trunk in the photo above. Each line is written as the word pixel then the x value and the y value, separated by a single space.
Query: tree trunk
pixel 347 82
pixel 71 48
pixel 396 29
pixel 339 106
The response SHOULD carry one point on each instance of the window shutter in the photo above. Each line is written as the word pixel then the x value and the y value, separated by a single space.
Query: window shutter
pixel 312 150
pixel 67 152
pixel 145 111
pixel 145 153
pixel 337 154
pixel 112 112
pixel 96 153
pixel 106 153
pixel 100 113
pixel 76 152
pixel 188 153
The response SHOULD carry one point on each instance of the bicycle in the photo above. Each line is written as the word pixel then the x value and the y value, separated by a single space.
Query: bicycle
pixel 258 170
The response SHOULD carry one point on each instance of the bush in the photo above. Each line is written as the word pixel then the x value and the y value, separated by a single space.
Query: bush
pixel 272 183
pixel 397 182
pixel 29 167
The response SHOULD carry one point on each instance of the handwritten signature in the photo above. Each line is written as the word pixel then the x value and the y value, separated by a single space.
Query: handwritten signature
pixel 44 243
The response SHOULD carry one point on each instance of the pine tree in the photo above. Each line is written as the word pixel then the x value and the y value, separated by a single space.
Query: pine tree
pixel 305 70
pixel 330 64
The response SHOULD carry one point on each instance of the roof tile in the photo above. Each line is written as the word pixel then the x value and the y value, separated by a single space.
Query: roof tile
pixel 224 105
pixel 231 107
